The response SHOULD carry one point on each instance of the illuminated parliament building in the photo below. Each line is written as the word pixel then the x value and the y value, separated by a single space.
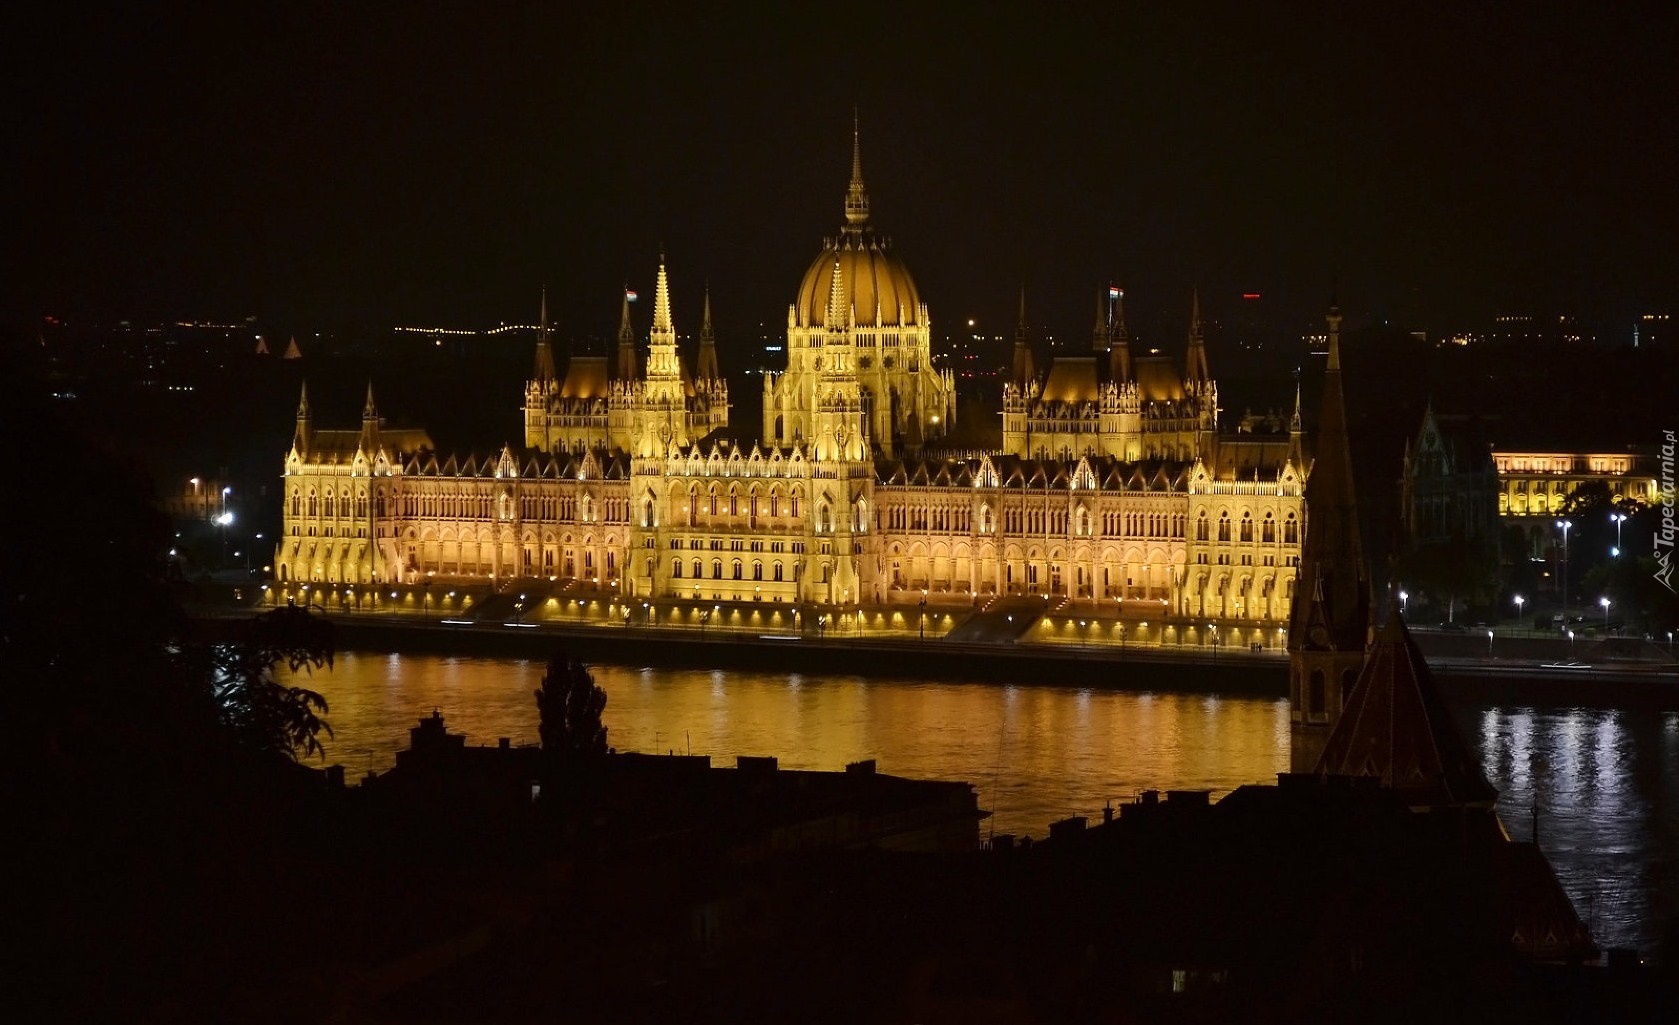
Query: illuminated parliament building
pixel 1111 481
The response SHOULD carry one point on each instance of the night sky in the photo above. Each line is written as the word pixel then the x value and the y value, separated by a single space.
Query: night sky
pixel 357 164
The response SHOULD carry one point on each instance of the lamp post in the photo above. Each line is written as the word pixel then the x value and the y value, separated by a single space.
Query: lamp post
pixel 1519 600
pixel 1489 644
pixel 1617 519
pixel 1605 602
pixel 1565 526
pixel 1404 599
pixel 922 623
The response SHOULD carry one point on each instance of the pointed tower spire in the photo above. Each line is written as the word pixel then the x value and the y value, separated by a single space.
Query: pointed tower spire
pixel 1024 371
pixel 370 409
pixel 625 369
pixel 663 364
pixel 305 420
pixel 856 196
pixel 661 302
pixel 1329 619
pixel 705 364
pixel 544 352
pixel 837 314
pixel 1119 343
pixel 1099 334
pixel 1196 371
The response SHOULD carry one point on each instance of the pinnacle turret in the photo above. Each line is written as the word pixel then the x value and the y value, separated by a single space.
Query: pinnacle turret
pixel 1024 371
pixel 1119 342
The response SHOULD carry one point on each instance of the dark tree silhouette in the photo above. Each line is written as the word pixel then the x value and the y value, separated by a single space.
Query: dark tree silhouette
pixel 569 708
pixel 258 711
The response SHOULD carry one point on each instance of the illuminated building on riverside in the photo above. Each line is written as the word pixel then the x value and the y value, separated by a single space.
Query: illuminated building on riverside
pixel 1111 481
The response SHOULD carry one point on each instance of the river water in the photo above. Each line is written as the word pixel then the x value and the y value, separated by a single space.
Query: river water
pixel 1606 781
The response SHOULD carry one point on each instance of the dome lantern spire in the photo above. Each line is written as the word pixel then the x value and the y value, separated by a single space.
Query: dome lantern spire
pixel 856 196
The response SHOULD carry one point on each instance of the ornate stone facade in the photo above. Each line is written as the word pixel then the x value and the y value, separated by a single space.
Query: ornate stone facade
pixel 1112 483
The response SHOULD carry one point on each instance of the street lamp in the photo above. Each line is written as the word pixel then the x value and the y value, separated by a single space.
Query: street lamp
pixel 1519 600
pixel 922 624
pixel 1404 599
pixel 1489 644
pixel 1617 519
pixel 1566 527
pixel 1604 601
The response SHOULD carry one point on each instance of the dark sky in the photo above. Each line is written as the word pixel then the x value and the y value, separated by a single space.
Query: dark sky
pixel 335 164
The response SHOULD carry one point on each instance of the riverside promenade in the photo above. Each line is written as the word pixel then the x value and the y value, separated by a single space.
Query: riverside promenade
pixel 1023 640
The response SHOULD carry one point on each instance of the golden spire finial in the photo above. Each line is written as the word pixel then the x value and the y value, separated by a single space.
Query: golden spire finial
pixel 856 197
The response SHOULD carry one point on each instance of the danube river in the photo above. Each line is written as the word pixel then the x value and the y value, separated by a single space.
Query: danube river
pixel 1606 781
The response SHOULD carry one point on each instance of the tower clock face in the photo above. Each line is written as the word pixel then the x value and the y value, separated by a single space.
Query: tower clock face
pixel 1319 635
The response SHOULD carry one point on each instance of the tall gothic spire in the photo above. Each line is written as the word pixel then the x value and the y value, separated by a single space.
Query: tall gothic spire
pixel 856 196
pixel 370 409
pixel 1196 372
pixel 626 368
pixel 544 352
pixel 837 317
pixel 661 304
pixel 1119 343
pixel 300 437
pixel 705 364
pixel 1099 334
pixel 1329 619
pixel 1024 371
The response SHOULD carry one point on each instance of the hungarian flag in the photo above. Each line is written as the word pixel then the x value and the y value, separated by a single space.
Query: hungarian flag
pixel 1114 291
pixel 629 294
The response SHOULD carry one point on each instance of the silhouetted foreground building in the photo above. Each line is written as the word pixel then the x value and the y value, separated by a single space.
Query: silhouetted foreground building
pixel 667 888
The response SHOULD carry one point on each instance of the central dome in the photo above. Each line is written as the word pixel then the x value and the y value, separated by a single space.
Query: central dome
pixel 873 279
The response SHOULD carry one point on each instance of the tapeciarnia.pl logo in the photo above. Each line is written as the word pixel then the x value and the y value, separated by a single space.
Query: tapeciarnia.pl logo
pixel 1665 533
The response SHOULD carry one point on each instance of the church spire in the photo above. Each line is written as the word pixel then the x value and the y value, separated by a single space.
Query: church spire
pixel 1329 619
pixel 1196 372
pixel 1099 334
pixel 705 367
pixel 370 409
pixel 625 369
pixel 544 352
pixel 856 196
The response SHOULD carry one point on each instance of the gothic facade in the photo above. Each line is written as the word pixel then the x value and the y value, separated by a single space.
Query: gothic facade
pixel 1112 482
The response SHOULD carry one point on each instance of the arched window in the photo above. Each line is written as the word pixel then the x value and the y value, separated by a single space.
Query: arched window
pixel 379 505
pixel 716 569
pixel 1201 527
pixel 777 571
pixel 676 568
pixel 1291 531
pixel 314 506
pixel 713 494
pixel 757 571
pixel 693 504
pixel 1268 530
pixel 734 568
pixel 296 503
pixel 1224 526
pixel 1247 527
pixel 698 572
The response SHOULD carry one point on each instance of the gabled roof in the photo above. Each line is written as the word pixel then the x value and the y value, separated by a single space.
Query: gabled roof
pixel 1397 728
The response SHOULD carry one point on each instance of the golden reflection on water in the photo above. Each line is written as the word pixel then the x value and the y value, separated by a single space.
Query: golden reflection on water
pixel 1035 754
